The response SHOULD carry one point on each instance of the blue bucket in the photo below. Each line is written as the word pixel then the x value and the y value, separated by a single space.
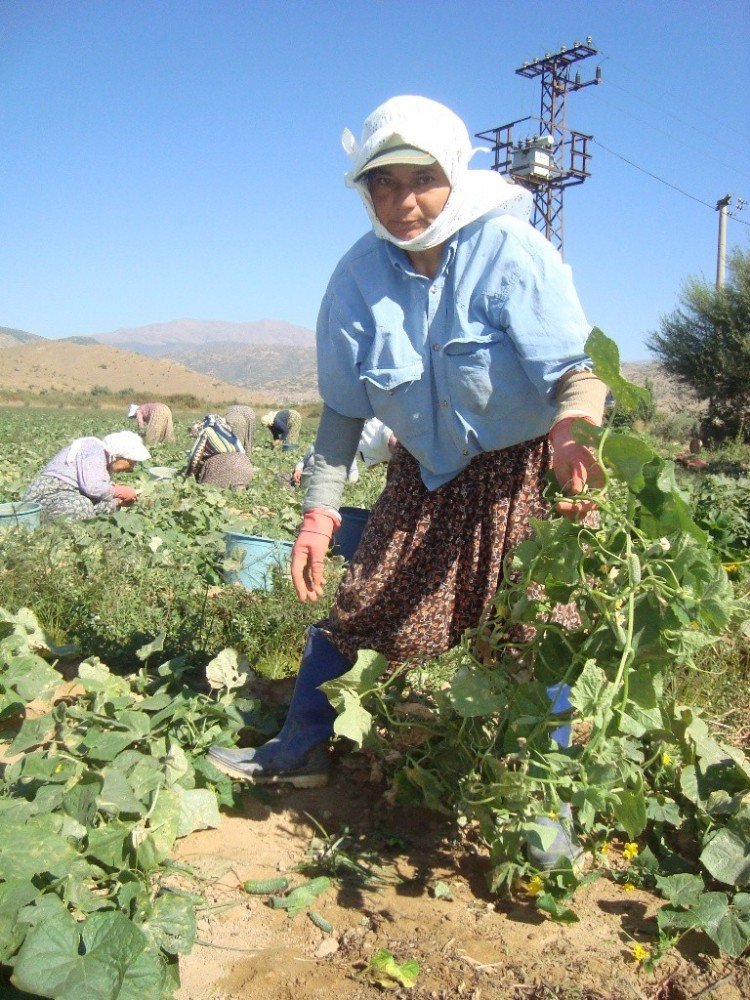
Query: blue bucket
pixel 346 539
pixel 260 557
pixel 23 514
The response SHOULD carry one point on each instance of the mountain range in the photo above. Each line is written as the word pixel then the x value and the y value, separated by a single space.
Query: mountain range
pixel 268 355
pixel 267 360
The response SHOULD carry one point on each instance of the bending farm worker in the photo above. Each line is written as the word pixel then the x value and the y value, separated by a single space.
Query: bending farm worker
pixel 217 456
pixel 154 422
pixel 241 420
pixel 457 325
pixel 77 481
pixel 285 426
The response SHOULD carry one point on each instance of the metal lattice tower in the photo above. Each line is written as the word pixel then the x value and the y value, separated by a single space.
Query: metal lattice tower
pixel 556 157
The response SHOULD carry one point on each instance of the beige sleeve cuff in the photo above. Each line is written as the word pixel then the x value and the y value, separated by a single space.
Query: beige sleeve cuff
pixel 580 394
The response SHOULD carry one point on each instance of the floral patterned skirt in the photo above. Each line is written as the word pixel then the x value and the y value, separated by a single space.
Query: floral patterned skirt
pixel 429 563
pixel 230 470
pixel 59 499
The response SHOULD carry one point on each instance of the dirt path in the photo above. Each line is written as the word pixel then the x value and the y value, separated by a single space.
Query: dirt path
pixel 467 947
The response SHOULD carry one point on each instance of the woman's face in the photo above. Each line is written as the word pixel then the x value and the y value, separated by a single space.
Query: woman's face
pixel 121 465
pixel 408 199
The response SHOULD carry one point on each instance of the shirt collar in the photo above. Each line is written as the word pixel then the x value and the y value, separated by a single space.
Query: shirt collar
pixel 399 259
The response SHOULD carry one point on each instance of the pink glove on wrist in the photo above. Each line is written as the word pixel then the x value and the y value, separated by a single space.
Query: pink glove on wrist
pixel 575 466
pixel 308 554
pixel 124 493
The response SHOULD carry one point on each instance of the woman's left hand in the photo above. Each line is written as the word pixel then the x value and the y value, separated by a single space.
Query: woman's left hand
pixel 575 467
pixel 125 494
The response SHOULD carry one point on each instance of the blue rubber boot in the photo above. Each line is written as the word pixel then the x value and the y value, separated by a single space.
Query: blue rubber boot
pixel 299 754
pixel 565 845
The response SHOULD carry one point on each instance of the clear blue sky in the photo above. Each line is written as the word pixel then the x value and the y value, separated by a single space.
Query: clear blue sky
pixel 181 158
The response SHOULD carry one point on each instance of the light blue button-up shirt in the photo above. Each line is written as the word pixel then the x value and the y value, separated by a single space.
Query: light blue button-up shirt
pixel 458 365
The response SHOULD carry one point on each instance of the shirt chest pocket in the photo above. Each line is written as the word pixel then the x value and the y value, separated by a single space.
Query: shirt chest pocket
pixel 391 361
pixel 477 365
pixel 392 375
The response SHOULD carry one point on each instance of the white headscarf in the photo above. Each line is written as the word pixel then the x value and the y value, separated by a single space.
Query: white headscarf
pixel 427 125
pixel 120 444
pixel 126 444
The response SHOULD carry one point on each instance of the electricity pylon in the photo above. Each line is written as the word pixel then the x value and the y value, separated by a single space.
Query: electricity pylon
pixel 556 157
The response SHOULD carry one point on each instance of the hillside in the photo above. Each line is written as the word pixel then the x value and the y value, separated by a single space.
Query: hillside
pixel 268 356
pixel 12 338
pixel 214 360
pixel 65 366
pixel 670 396
pixel 284 373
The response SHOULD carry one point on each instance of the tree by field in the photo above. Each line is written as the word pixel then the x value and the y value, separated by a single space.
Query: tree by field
pixel 705 344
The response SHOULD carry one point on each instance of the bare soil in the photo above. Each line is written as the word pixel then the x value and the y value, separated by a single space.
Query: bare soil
pixel 471 946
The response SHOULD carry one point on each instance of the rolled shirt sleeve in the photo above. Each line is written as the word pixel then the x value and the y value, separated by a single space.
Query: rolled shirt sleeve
pixel 335 448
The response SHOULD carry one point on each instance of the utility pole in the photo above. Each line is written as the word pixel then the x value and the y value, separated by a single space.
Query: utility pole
pixel 722 207
pixel 556 157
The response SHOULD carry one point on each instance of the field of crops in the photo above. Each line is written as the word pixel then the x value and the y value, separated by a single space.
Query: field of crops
pixel 124 654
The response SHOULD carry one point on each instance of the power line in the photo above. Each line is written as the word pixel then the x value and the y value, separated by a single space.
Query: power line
pixel 662 180
pixel 669 135
pixel 725 123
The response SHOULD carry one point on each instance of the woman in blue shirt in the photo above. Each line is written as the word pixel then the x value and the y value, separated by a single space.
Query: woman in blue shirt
pixel 455 323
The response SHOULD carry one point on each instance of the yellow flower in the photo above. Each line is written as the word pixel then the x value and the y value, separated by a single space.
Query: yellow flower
pixel 535 885
pixel 666 759
pixel 605 848
pixel 630 851
pixel 640 954
pixel 694 624
pixel 553 815
pixel 731 567
pixel 628 887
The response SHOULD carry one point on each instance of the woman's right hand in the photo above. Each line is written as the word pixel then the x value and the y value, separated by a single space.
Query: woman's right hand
pixel 309 552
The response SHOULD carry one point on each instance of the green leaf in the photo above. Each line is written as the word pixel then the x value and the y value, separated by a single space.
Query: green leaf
pixel 105 745
pixel 109 843
pixel 383 970
pixel 31 677
pixel 682 889
pixel 80 800
pixel 199 809
pixel 362 676
pixel 117 795
pixel 170 925
pixel 155 646
pixel 33 733
pixel 96 676
pixel 354 721
pixel 104 958
pixel 34 848
pixel 592 694
pixel 630 811
pixel 228 669
pixel 473 693
pixel 606 358
pixel 562 914
pixel 442 890
pixel 14 894
pixel 154 837
pixel 540 836
pixel 727 857
pixel 628 457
